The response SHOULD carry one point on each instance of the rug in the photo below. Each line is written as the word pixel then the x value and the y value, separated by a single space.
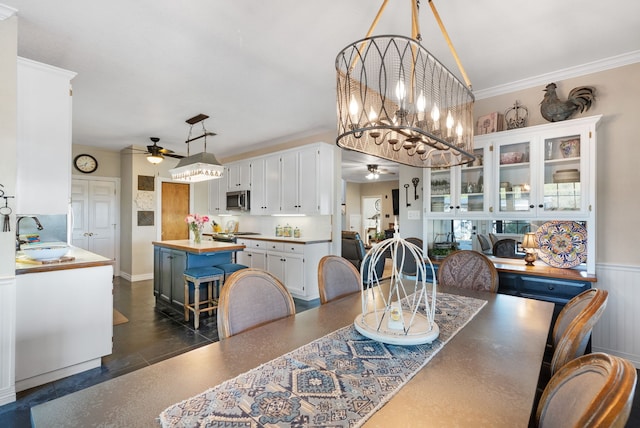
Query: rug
pixel 118 318
pixel 339 380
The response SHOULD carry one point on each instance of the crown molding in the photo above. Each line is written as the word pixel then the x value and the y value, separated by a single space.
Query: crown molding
pixel 567 73
pixel 6 12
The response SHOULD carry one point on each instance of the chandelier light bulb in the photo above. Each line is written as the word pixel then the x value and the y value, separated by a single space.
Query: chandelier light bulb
pixel 421 103
pixel 459 129
pixel 400 91
pixel 372 115
pixel 353 109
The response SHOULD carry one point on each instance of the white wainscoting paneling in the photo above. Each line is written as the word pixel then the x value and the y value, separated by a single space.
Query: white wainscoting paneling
pixel 7 339
pixel 618 331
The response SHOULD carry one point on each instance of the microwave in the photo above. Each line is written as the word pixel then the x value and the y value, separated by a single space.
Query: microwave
pixel 239 201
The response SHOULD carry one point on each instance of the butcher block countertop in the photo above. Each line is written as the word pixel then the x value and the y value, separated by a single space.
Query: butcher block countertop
pixel 76 258
pixel 201 248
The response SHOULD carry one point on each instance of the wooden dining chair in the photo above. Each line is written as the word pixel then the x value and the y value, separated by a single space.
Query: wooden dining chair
pixel 337 277
pixel 249 298
pixel 505 248
pixel 592 391
pixel 468 269
pixel 572 329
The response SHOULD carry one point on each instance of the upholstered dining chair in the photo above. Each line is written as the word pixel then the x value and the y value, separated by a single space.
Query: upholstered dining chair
pixel 595 390
pixel 337 277
pixel 249 298
pixel 468 269
pixel 572 329
pixel 485 244
pixel 505 248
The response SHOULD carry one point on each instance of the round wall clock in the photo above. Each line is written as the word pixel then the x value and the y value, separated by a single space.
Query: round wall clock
pixel 85 163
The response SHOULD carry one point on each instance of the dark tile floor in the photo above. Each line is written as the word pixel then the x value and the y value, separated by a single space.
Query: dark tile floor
pixel 151 335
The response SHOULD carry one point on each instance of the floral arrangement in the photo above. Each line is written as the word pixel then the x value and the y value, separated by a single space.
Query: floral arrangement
pixel 196 222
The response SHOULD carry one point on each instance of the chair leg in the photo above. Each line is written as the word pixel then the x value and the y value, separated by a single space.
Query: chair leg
pixel 196 305
pixel 210 297
pixel 186 300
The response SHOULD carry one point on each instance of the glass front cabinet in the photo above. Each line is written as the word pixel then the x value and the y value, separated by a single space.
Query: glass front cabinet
pixel 460 191
pixel 543 171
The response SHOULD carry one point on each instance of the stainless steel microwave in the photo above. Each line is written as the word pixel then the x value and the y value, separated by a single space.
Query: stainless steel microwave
pixel 239 201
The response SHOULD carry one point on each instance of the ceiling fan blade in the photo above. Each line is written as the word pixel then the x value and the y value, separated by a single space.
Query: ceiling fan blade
pixel 171 155
pixel 164 151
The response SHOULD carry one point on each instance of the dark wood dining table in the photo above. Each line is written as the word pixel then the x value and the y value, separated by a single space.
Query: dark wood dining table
pixel 485 376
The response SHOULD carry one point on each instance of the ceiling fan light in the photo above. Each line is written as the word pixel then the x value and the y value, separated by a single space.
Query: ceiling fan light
pixel 155 159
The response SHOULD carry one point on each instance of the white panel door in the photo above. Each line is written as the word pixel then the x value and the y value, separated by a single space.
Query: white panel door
pixel 94 216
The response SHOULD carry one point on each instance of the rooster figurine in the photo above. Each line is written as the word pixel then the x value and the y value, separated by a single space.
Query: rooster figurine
pixel 579 100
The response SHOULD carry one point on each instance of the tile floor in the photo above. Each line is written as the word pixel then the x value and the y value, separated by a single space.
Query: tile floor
pixel 151 335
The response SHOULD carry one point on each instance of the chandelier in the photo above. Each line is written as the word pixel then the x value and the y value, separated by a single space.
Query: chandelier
pixel 202 166
pixel 396 101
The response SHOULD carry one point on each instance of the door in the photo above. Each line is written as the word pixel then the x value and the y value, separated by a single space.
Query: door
pixel 94 216
pixel 175 208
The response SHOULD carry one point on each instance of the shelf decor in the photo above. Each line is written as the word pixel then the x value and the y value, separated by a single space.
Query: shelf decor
pixel 396 101
pixel 563 244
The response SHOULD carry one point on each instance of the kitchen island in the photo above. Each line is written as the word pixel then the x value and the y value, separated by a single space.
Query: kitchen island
pixel 171 258
pixel 64 316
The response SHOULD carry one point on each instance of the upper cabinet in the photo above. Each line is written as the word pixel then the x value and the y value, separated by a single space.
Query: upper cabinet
pixel 296 181
pixel 238 176
pixel 218 195
pixel 460 191
pixel 545 171
pixel 44 139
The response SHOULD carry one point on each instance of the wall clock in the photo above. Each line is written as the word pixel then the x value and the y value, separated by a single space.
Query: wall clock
pixel 85 163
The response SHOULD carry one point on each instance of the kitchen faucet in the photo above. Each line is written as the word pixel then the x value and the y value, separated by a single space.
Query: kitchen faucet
pixel 20 217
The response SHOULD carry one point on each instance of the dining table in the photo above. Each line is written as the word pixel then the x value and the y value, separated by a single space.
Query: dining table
pixel 485 375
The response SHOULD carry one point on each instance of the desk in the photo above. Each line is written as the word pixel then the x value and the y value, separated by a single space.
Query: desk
pixel 485 376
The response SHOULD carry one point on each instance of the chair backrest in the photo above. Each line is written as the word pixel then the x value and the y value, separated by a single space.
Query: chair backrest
pixel 249 298
pixel 572 329
pixel 337 277
pixel 352 247
pixel 468 269
pixel 595 390
pixel 485 245
pixel 505 248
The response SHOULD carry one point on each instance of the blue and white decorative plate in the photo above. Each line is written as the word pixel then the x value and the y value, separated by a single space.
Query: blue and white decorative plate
pixel 563 244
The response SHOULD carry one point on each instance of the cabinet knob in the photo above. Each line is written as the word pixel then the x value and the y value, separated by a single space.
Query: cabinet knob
pixel 450 207
pixel 551 287
pixel 532 206
pixel 540 206
pixel 457 207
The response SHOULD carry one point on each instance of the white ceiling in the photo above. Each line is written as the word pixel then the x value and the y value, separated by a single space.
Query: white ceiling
pixel 264 70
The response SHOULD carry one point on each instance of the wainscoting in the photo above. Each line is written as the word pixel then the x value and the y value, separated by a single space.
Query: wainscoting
pixel 617 331
pixel 7 339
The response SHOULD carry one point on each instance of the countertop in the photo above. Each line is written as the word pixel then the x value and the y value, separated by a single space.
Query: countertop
pixel 201 248
pixel 82 259
pixel 291 240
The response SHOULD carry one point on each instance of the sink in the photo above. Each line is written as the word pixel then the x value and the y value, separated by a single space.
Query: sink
pixel 44 251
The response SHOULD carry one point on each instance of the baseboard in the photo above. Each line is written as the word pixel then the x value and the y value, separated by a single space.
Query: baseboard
pixel 31 382
pixel 134 278
pixel 7 396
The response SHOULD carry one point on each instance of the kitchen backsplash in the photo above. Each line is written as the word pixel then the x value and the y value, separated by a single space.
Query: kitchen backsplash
pixel 313 227
pixel 54 228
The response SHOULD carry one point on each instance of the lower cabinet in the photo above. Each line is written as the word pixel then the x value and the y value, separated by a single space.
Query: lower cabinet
pixel 294 264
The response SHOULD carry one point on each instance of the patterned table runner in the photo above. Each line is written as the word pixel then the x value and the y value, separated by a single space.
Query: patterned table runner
pixel 339 380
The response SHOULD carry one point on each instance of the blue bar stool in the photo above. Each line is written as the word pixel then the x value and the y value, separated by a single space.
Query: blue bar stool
pixel 198 276
pixel 230 268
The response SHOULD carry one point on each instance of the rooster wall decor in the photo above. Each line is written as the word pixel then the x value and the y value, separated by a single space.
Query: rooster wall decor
pixel 555 110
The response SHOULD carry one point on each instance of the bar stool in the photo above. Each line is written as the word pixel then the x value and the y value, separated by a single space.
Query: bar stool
pixel 230 268
pixel 198 276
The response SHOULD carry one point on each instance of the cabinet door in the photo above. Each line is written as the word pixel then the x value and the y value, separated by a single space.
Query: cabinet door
pixel 239 176
pixel 289 183
pixel 276 265
pixel 218 195
pixel 258 190
pixel 43 182
pixel 294 273
pixel 164 286
pixel 472 195
pixel 308 176
pixel 258 259
pixel 178 265
pixel 265 185
pixel 565 175
pixel 439 194
pixel 515 178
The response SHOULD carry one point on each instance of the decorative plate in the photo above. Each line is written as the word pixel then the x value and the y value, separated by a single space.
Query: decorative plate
pixel 563 244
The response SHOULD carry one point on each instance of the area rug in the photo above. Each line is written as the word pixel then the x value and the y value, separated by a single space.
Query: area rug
pixel 339 380
pixel 118 318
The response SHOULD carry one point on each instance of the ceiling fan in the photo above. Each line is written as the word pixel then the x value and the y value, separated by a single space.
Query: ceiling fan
pixel 157 153
pixel 375 171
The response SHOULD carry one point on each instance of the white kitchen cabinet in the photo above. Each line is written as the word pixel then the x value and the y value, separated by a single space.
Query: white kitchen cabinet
pixel 44 139
pixel 265 189
pixel 459 191
pixel 545 171
pixel 306 181
pixel 238 175
pixel 64 323
pixel 218 195
pixel 286 262
pixel 254 255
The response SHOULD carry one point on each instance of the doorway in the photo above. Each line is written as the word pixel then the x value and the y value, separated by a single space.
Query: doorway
pixel 371 213
pixel 175 208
